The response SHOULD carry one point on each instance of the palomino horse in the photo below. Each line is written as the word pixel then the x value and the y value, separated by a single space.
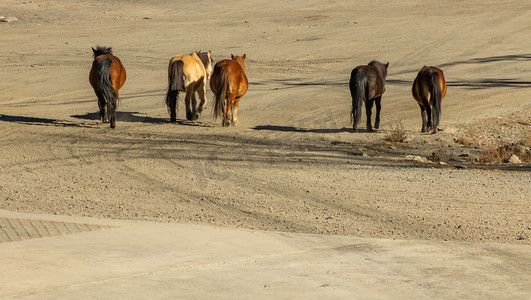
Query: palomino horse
pixel 107 76
pixel 429 89
pixel 229 83
pixel 188 73
pixel 367 84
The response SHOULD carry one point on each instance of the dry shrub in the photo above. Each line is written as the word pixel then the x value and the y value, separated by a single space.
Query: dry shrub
pixel 465 141
pixel 527 138
pixel 435 157
pixel 493 154
pixel 496 153
pixel 397 134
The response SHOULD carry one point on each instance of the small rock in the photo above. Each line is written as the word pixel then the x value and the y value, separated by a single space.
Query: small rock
pixel 514 159
pixel 416 158
pixel 8 19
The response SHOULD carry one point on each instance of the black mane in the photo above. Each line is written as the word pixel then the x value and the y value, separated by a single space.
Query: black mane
pixel 204 58
pixel 101 50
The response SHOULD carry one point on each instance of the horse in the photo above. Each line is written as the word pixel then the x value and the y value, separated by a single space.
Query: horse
pixel 367 84
pixel 106 77
pixel 188 73
pixel 429 88
pixel 229 84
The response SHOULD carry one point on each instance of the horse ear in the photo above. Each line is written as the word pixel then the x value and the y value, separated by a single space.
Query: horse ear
pixel 93 50
pixel 232 56
pixel 387 65
pixel 244 56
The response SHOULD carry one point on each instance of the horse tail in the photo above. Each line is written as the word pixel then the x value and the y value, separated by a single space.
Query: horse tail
pixel 222 88
pixel 358 91
pixel 175 84
pixel 436 98
pixel 108 93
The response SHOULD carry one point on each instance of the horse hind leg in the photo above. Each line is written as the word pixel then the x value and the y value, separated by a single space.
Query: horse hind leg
pixel 202 95
pixel 103 109
pixel 368 109
pixel 427 106
pixel 194 113
pixel 378 102
pixel 187 103
pixel 424 118
pixel 235 112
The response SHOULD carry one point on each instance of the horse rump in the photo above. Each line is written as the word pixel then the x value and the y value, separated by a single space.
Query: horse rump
pixel 175 84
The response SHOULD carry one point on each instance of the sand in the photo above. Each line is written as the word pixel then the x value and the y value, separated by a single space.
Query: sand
pixel 293 163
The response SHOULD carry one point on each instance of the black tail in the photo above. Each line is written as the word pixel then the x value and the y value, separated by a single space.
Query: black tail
pixel 436 98
pixel 175 84
pixel 222 88
pixel 108 93
pixel 358 91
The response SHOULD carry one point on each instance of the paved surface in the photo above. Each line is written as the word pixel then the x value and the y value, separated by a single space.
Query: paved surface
pixel 110 259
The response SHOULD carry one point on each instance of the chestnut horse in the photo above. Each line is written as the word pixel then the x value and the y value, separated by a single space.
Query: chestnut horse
pixel 106 77
pixel 228 83
pixel 429 88
pixel 188 73
pixel 367 84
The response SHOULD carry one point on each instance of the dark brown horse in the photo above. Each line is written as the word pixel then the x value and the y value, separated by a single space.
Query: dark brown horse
pixel 367 84
pixel 429 88
pixel 229 83
pixel 106 77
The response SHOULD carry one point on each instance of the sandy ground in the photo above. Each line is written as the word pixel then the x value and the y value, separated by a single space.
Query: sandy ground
pixel 292 164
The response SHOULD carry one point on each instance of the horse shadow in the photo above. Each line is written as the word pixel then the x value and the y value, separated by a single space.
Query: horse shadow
pixel 298 129
pixel 40 121
pixel 124 116
pixel 127 116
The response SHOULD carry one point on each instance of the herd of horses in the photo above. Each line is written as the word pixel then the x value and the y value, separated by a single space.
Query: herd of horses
pixel 188 74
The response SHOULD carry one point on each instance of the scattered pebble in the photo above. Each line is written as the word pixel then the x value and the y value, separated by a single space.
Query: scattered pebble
pixel 8 19
pixel 514 159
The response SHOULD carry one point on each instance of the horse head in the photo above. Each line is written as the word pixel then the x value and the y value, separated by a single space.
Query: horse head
pixel 101 50
pixel 240 60
pixel 206 58
pixel 381 67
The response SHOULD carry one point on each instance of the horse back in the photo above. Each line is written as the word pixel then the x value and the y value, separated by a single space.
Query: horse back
pixel 374 78
pixel 193 67
pixel 424 81
pixel 117 72
pixel 236 76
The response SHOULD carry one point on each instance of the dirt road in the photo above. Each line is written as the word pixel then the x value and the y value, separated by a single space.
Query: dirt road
pixel 292 164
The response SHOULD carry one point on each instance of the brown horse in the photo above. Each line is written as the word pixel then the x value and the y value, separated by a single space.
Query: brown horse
pixel 367 84
pixel 188 73
pixel 429 88
pixel 106 77
pixel 229 83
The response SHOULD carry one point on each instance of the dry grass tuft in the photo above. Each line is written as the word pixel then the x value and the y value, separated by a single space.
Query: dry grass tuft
pixel 497 153
pixel 435 157
pixel 397 134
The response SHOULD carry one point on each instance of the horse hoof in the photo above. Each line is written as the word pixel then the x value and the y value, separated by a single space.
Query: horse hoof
pixel 196 116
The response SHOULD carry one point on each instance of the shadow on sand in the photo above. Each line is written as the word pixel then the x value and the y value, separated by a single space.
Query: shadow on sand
pixel 297 129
